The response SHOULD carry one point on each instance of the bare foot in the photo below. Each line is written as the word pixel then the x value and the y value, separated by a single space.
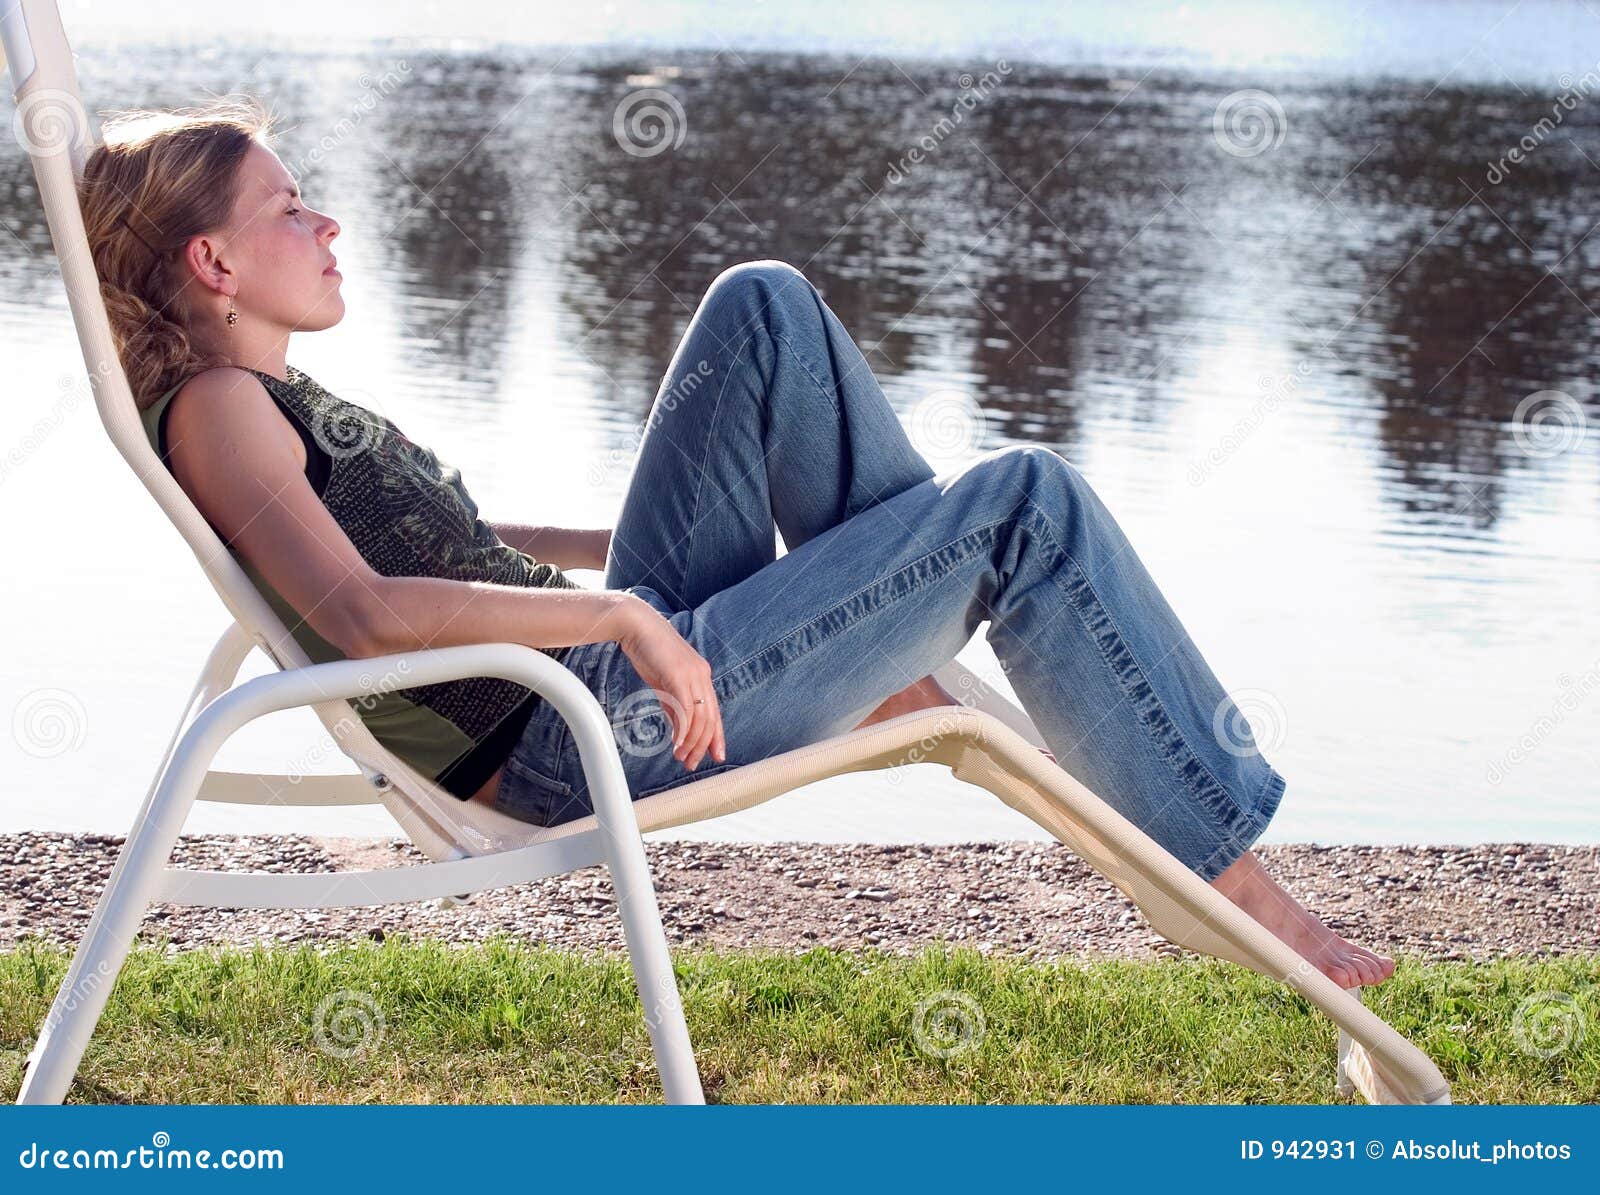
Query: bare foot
pixel 918 695
pixel 924 694
pixel 1247 884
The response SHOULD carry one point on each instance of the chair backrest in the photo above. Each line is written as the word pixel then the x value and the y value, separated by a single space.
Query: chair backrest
pixel 55 131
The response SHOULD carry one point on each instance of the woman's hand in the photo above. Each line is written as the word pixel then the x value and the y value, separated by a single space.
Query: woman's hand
pixel 681 678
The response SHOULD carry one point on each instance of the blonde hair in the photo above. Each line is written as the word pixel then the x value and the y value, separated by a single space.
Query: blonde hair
pixel 157 179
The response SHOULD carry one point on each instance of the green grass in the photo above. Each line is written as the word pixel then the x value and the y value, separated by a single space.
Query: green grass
pixel 422 1022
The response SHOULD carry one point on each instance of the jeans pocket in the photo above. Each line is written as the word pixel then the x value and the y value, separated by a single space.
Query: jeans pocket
pixel 530 795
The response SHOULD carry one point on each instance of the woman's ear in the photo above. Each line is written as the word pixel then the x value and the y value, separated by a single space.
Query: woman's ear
pixel 202 256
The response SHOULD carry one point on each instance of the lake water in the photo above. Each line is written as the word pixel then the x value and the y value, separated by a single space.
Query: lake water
pixel 1332 366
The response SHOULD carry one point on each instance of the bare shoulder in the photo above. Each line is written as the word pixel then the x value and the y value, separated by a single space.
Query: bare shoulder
pixel 243 466
pixel 224 408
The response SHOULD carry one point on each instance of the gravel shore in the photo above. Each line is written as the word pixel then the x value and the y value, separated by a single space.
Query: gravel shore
pixel 1025 898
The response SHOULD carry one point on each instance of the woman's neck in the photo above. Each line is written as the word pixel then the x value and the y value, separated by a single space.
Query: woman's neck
pixel 264 351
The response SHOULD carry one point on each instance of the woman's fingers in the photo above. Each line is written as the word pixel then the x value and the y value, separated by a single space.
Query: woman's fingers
pixel 682 719
pixel 690 721
pixel 697 727
pixel 703 726
pixel 704 729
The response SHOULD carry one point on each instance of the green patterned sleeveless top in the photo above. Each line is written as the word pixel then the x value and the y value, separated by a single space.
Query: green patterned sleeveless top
pixel 409 515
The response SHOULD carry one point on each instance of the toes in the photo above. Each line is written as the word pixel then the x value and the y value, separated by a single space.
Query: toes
pixel 1342 974
pixel 1376 967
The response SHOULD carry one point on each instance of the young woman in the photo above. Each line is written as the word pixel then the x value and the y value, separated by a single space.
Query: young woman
pixel 706 649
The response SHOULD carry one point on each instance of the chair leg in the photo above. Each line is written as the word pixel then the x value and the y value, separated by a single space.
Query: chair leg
pixel 50 1066
pixel 1377 1060
pixel 1344 1083
pixel 138 877
pixel 646 937
pixel 101 952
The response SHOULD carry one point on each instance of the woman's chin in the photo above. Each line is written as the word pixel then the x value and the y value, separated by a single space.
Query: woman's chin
pixel 325 316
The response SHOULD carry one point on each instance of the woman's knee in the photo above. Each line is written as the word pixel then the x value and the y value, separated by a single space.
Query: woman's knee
pixel 1036 469
pixel 765 279
pixel 765 267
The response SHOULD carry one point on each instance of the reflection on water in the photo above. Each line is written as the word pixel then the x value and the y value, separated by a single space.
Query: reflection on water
pixel 1303 377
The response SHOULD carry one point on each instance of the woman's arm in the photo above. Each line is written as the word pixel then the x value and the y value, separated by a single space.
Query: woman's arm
pixel 408 613
pixel 561 546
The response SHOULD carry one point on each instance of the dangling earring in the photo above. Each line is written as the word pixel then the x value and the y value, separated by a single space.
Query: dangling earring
pixel 233 316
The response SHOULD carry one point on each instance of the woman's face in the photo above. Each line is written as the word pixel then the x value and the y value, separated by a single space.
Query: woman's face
pixel 277 249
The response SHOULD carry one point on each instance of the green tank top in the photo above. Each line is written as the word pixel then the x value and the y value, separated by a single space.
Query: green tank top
pixel 409 515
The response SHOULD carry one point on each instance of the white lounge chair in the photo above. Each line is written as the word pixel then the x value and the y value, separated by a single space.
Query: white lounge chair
pixel 472 847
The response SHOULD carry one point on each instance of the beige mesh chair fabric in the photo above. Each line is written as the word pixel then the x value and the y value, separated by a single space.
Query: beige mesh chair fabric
pixel 987 741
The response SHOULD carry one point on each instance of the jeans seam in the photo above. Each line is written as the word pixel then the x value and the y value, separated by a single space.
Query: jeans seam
pixel 705 460
pixel 780 338
pixel 877 582
pixel 1204 784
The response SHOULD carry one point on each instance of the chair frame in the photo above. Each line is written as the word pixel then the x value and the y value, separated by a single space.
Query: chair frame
pixel 472 848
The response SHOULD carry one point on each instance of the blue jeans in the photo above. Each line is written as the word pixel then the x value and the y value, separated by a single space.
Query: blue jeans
pixel 768 418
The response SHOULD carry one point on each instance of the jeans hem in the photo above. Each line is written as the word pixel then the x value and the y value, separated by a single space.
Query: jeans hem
pixel 1231 851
